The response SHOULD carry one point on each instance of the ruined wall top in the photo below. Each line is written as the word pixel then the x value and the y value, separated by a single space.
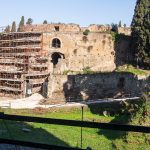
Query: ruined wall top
pixel 51 27
pixel 124 30
pixel 72 28
pixel 99 28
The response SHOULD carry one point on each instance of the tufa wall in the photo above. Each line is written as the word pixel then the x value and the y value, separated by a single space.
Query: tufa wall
pixel 70 52
pixel 51 28
pixel 97 86
pixel 78 51
pixel 72 28
pixel 51 51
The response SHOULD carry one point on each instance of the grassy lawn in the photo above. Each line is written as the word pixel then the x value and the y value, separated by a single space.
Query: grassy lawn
pixel 131 69
pixel 70 136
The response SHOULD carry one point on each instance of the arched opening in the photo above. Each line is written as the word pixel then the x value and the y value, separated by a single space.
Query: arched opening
pixel 56 43
pixel 55 58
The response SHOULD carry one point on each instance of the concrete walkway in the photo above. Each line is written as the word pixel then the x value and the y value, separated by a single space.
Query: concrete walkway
pixel 34 100
pixel 29 102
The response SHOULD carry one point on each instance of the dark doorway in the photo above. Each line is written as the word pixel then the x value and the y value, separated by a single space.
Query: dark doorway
pixel 56 28
pixel 55 58
pixel 28 88
pixel 56 43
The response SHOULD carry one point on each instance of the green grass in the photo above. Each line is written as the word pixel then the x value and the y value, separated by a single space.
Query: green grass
pixel 69 136
pixel 131 69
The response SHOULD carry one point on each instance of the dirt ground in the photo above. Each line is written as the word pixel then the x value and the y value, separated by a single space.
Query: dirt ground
pixel 6 98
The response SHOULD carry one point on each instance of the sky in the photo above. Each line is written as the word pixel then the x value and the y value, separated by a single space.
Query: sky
pixel 82 12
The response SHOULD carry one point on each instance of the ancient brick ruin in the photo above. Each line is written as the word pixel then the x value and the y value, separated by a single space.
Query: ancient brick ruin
pixel 32 60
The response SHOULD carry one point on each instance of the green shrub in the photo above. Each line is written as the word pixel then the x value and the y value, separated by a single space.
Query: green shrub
pixel 87 70
pixel 117 37
pixel 131 69
pixel 66 72
pixel 86 32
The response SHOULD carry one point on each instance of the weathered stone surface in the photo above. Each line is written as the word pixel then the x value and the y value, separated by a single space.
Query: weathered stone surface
pixel 97 86
pixel 97 52
pixel 65 49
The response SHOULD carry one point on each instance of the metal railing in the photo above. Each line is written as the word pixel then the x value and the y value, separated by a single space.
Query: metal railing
pixel 75 123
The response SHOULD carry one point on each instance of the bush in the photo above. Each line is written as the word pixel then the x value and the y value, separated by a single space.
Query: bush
pixel 87 70
pixel 66 72
pixel 131 69
pixel 117 37
pixel 86 32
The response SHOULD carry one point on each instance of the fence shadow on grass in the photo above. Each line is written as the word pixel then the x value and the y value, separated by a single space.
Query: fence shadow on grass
pixel 27 132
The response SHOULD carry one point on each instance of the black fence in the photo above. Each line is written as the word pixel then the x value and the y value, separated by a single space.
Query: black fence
pixel 87 124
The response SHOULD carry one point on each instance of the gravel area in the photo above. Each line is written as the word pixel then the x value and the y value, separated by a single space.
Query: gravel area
pixel 28 102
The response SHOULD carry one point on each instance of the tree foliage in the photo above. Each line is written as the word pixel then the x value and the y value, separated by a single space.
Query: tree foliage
pixel 21 24
pixel 120 24
pixel 45 22
pixel 114 27
pixel 21 21
pixel 86 32
pixel 141 33
pixel 29 21
pixel 13 28
pixel 124 25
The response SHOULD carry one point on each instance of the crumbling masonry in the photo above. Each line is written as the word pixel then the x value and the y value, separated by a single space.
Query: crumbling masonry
pixel 32 58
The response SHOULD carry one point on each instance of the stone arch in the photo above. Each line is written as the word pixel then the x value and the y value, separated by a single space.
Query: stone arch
pixel 56 43
pixel 56 56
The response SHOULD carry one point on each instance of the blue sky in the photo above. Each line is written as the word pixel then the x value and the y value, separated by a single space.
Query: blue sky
pixel 83 12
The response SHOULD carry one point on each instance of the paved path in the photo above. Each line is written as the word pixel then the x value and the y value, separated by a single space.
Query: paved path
pixel 29 102
pixel 34 100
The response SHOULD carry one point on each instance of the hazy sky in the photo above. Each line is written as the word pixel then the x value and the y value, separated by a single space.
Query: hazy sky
pixel 83 12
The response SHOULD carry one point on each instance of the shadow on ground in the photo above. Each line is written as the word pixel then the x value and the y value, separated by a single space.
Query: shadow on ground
pixel 27 132
pixel 124 114
pixel 105 86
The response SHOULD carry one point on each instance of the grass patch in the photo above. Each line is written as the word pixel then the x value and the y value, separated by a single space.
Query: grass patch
pixel 55 134
pixel 87 70
pixel 70 136
pixel 131 69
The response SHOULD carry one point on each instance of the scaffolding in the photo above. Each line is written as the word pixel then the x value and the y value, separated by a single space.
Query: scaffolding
pixel 23 64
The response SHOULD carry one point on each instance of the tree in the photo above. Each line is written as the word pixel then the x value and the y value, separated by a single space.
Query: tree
pixel 7 29
pixel 86 32
pixel 114 27
pixel 30 21
pixel 141 33
pixel 21 21
pixel 21 24
pixel 124 25
pixel 13 28
pixel 120 24
pixel 45 22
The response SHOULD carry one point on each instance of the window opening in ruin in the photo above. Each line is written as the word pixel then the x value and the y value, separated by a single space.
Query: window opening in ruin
pixel 56 43
pixel 56 28
pixel 28 88
pixel 55 58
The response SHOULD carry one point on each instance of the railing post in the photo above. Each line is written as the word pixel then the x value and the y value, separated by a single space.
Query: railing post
pixel 81 127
